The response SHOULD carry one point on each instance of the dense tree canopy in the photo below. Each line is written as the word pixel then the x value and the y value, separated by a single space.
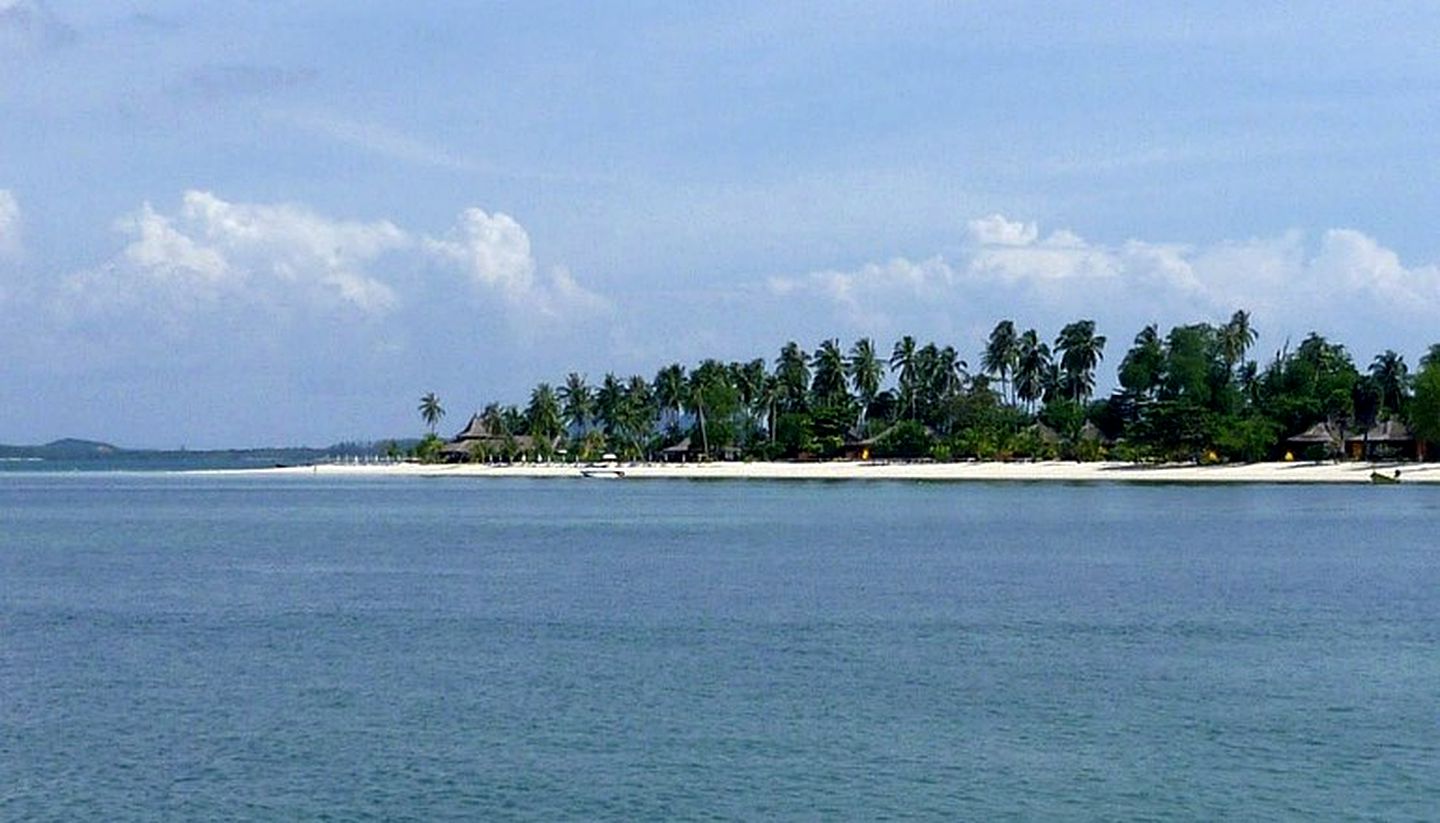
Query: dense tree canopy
pixel 1189 394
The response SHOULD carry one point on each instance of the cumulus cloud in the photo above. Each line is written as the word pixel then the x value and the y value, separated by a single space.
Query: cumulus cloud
pixel 493 251
pixel 1010 267
pixel 212 258
pixel 212 250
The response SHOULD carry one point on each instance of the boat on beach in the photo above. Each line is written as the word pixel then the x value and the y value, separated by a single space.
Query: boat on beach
pixel 1385 479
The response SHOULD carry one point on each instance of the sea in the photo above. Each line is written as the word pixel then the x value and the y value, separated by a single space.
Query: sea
pixel 216 647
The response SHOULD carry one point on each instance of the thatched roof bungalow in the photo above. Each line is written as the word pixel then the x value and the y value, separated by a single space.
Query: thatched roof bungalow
pixel 1386 439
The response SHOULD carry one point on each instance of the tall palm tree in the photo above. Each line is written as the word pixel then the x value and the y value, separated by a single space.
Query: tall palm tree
pixel 577 403
pixel 1392 379
pixel 430 410
pixel 950 373
pixel 1236 338
pixel 904 362
pixel 543 415
pixel 1080 349
pixel 670 391
pixel 1032 369
pixel 637 412
pixel 792 367
pixel 1002 354
pixel 828 385
pixel 865 371
pixel 607 404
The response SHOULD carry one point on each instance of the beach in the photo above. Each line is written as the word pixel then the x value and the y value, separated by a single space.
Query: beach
pixel 1039 471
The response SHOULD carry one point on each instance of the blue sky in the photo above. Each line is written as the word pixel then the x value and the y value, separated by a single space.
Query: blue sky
pixel 243 224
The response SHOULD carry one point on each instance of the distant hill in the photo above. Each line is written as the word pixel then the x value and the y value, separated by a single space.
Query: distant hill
pixel 67 449
pixel 72 450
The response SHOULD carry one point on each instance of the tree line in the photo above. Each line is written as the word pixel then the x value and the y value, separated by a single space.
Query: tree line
pixel 1191 393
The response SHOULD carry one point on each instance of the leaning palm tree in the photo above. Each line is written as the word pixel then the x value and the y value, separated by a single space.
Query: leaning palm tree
pixel 430 410
pixel 1002 353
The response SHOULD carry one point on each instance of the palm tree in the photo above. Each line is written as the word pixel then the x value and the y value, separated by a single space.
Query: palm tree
pixel 950 373
pixel 792 368
pixel 543 416
pixel 670 391
pixel 577 403
pixel 607 404
pixel 1080 349
pixel 430 410
pixel 904 360
pixel 865 371
pixel 1032 369
pixel 1002 354
pixel 828 386
pixel 1392 380
pixel 637 412
pixel 1236 338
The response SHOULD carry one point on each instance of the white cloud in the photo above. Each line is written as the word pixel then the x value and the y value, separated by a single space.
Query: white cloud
pixel 493 251
pixel 1341 283
pixel 278 255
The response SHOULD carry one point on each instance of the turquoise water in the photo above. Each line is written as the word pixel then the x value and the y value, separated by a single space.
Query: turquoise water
pixel 199 648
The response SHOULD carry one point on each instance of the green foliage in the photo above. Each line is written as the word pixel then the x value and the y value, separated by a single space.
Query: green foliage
pixel 428 449
pixel 908 439
pixel 1425 405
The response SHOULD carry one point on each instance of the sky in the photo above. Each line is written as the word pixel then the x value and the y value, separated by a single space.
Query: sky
pixel 247 223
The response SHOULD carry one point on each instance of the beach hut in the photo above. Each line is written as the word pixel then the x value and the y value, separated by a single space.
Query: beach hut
pixel 678 453
pixel 1321 436
pixel 1388 439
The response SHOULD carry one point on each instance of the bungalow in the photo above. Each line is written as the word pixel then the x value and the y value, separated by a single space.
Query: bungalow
pixel 1388 439
pixel 487 440
pixel 1321 436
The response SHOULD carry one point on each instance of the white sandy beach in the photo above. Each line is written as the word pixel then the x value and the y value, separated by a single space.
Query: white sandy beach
pixel 1069 472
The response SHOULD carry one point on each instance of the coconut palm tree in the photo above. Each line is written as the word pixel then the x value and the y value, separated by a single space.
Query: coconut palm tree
pixel 828 385
pixel 792 367
pixel 1080 349
pixel 865 371
pixel 1002 354
pixel 430 410
pixel 607 404
pixel 543 416
pixel 1392 380
pixel 1032 369
pixel 577 403
pixel 1236 338
pixel 670 391
pixel 905 363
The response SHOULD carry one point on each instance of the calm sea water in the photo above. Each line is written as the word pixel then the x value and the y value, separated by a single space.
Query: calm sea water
pixel 203 648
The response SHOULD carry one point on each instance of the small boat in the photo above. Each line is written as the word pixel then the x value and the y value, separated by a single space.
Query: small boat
pixel 601 473
pixel 1384 479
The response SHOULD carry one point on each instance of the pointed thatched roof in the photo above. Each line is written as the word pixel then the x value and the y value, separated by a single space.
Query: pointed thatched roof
pixel 478 429
pixel 1387 431
pixel 683 447
pixel 1319 433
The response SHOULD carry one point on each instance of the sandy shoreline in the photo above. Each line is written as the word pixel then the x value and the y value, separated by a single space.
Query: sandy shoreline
pixel 841 470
